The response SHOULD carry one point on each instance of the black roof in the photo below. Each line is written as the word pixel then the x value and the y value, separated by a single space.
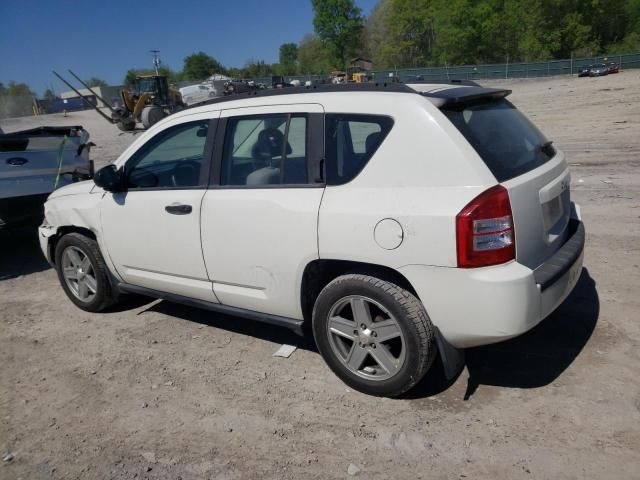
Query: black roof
pixel 469 91
pixel 321 87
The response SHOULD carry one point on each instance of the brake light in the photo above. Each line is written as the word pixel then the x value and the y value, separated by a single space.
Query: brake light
pixel 484 230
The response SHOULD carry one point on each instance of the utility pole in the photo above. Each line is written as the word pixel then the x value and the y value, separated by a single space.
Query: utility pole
pixel 156 60
pixel 571 70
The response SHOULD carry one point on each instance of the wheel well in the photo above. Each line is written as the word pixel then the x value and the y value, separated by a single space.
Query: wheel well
pixel 62 231
pixel 319 273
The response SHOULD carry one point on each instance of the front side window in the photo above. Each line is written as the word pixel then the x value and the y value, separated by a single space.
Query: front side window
pixel 265 150
pixel 172 159
pixel 351 141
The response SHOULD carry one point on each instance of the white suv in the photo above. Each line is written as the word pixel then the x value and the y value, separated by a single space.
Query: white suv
pixel 397 221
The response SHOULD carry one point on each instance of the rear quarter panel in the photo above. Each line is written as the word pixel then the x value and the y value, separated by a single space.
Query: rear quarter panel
pixel 422 175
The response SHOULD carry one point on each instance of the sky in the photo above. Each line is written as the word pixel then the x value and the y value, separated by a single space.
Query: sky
pixel 106 38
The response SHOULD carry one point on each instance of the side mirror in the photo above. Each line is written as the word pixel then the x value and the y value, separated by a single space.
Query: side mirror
pixel 109 178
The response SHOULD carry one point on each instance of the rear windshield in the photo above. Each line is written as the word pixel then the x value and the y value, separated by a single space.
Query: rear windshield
pixel 505 139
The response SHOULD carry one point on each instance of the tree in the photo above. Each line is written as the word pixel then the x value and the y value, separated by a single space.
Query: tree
pixel 288 58
pixel 338 24
pixel 199 66
pixel 376 33
pixel 49 95
pixel 256 69
pixel 16 99
pixel 313 57
pixel 96 82
pixel 129 80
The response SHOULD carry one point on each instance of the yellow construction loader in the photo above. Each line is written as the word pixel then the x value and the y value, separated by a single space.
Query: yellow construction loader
pixel 150 101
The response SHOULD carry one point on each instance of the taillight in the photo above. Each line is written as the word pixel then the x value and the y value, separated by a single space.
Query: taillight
pixel 484 230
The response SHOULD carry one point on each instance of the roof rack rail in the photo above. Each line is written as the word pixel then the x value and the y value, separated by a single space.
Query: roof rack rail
pixel 452 81
pixel 321 87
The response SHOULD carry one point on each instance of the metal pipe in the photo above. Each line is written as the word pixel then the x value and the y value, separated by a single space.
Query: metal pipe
pixel 96 95
pixel 86 100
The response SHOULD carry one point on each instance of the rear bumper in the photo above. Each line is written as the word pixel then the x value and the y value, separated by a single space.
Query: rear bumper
pixel 480 306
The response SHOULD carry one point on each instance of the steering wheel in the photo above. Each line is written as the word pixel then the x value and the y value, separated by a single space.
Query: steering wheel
pixel 186 173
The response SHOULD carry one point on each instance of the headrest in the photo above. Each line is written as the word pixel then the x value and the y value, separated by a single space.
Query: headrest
pixel 269 145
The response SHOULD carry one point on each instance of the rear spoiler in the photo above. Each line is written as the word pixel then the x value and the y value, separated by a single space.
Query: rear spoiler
pixel 453 98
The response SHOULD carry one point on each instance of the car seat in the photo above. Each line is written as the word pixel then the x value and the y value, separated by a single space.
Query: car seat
pixel 269 145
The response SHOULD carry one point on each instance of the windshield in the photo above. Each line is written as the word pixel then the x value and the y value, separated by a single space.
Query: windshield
pixel 505 139
pixel 147 85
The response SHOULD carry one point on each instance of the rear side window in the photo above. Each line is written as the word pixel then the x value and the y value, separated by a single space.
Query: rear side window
pixel 265 150
pixel 505 139
pixel 351 141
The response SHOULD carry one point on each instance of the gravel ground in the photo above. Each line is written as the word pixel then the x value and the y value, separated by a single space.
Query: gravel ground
pixel 160 391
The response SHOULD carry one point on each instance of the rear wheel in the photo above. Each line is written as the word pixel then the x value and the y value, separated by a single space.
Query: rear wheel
pixel 83 273
pixel 375 335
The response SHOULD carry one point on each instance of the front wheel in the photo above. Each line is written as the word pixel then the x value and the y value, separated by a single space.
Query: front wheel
pixel 152 115
pixel 375 335
pixel 83 273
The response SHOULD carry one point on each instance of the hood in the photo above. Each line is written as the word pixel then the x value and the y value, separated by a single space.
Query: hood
pixel 73 189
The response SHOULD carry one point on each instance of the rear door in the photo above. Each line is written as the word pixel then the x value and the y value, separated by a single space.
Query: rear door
pixel 260 217
pixel 528 166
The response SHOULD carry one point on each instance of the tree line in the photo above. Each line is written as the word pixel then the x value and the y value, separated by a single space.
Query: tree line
pixel 416 33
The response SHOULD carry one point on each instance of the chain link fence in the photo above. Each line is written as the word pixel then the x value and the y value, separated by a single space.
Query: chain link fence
pixel 507 70
pixel 549 68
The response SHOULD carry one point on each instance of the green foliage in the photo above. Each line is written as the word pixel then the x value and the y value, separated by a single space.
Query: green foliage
pixel 49 95
pixel 339 25
pixel 313 56
pixel 288 59
pixel 130 77
pixel 96 82
pixel 200 66
pixel 406 33
pixel 256 69
pixel 16 99
pixel 15 89
pixel 376 32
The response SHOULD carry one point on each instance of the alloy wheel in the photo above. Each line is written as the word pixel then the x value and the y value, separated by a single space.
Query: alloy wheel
pixel 79 274
pixel 366 338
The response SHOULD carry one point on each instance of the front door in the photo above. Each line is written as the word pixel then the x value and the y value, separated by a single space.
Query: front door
pixel 152 230
pixel 260 220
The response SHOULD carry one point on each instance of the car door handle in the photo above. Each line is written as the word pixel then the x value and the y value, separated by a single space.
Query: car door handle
pixel 178 209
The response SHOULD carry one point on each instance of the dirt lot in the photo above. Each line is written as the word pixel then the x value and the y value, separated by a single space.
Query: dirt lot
pixel 157 390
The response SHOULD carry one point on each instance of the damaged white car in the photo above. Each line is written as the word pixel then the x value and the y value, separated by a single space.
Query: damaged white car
pixel 397 221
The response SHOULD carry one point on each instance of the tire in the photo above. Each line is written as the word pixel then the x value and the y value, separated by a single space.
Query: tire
pixel 92 264
pixel 405 357
pixel 126 124
pixel 151 115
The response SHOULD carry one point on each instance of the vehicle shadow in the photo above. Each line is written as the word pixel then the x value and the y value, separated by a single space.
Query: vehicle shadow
pixel 534 359
pixel 20 253
pixel 242 326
